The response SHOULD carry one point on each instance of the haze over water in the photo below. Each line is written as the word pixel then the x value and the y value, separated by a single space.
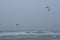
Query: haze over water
pixel 41 18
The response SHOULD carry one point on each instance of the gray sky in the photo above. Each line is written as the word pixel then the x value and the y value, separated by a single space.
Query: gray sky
pixel 30 14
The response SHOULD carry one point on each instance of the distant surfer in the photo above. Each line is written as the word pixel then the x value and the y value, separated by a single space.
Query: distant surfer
pixel 17 24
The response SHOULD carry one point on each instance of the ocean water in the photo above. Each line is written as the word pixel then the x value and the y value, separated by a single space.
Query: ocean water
pixel 29 36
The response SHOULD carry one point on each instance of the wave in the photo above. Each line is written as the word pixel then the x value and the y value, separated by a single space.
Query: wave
pixel 27 33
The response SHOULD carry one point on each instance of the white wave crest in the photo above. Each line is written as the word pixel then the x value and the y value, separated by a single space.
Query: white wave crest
pixel 25 33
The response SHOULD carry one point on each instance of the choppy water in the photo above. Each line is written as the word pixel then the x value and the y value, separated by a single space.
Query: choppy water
pixel 29 36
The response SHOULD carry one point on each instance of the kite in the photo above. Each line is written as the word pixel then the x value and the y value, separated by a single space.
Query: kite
pixel 48 8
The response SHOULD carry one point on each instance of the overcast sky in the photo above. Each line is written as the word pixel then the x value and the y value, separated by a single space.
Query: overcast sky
pixel 30 14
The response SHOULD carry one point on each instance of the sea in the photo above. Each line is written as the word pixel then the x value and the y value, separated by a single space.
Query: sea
pixel 21 35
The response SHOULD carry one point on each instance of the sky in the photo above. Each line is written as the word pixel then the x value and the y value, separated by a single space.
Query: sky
pixel 29 14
